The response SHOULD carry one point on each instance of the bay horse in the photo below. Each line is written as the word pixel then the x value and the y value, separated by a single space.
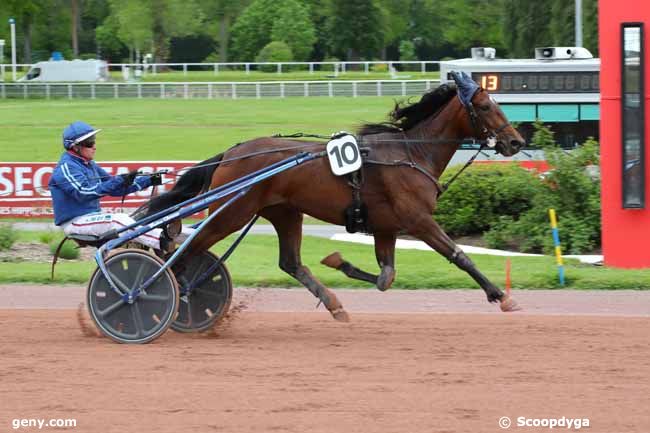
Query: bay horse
pixel 407 156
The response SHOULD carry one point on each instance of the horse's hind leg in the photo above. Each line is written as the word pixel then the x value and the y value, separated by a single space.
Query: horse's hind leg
pixel 385 253
pixel 288 225
pixel 430 232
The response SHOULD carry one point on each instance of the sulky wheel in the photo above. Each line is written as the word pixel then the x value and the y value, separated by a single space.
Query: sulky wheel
pixel 204 302
pixel 148 315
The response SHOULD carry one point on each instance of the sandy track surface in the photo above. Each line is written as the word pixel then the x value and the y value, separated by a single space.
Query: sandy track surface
pixel 278 366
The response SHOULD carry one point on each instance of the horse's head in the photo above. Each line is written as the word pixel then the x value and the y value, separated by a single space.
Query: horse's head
pixel 486 118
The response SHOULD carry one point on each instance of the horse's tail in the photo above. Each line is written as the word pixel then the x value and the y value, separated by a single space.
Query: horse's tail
pixel 190 184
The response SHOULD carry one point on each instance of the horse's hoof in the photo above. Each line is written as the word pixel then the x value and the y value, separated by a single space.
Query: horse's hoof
pixel 334 260
pixel 385 280
pixel 509 305
pixel 341 315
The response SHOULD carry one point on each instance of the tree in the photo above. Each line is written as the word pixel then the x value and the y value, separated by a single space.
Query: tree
pixel 265 21
pixel 134 23
pixel 526 26
pixel 173 18
pixel 108 44
pixel 356 29
pixel 562 23
pixel 394 21
pixel 293 27
pixel 24 11
pixel 319 12
pixel 472 23
pixel 590 28
pixel 220 15
pixel 152 23
pixel 426 23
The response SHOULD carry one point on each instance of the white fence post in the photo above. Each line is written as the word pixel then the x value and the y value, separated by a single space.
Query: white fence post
pixel 69 91
pixel 354 89
pixel 233 90
pixel 306 90
pixel 311 67
pixel 403 88
pixel 378 88
pixel 279 68
pixel 248 68
pixel 185 69
pixel 366 68
pixel 258 91
pixel 92 91
pixel 115 91
pixel 186 91
pixel 281 90
pixel 216 69
pixel 423 67
pixel 139 91
pixel 330 89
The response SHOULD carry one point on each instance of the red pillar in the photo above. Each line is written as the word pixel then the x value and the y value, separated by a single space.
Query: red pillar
pixel 625 232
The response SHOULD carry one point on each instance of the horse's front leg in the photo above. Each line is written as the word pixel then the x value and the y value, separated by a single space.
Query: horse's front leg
pixel 385 253
pixel 430 232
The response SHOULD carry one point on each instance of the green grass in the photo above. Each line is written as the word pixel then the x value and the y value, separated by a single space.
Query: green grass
pixel 145 129
pixel 255 264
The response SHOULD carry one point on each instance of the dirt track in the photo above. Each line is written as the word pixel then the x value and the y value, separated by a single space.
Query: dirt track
pixel 280 366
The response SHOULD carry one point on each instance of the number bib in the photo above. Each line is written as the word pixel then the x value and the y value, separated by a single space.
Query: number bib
pixel 344 155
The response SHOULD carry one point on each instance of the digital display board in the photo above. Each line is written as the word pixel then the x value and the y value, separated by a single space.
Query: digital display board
pixel 539 82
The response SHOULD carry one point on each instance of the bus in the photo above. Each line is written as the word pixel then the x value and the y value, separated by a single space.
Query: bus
pixel 559 87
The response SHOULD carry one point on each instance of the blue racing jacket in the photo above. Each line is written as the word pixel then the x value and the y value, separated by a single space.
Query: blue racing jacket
pixel 77 185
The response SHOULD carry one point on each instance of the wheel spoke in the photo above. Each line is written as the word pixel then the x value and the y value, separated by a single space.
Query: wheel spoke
pixel 198 272
pixel 120 285
pixel 139 277
pixel 111 308
pixel 137 318
pixel 208 293
pixel 160 298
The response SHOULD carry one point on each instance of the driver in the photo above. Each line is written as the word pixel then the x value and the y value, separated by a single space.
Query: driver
pixel 78 183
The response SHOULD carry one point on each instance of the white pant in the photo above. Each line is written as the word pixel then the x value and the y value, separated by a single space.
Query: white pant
pixel 98 223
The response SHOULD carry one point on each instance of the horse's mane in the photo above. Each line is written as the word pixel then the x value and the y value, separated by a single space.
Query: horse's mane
pixel 406 115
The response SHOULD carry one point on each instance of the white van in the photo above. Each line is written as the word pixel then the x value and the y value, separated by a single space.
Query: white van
pixel 67 70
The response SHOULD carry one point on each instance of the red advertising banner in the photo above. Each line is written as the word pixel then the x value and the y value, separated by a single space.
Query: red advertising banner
pixel 24 193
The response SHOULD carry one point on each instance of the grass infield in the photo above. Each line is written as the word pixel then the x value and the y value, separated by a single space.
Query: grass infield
pixel 254 264
pixel 145 129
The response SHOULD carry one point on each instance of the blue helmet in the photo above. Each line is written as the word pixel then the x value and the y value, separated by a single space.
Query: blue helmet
pixel 77 132
pixel 466 86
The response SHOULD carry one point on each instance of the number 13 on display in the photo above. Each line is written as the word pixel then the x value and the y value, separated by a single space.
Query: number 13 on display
pixel 490 82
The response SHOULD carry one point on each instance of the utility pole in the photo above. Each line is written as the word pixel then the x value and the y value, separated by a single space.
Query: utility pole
pixel 12 24
pixel 578 23
pixel 2 59
pixel 75 29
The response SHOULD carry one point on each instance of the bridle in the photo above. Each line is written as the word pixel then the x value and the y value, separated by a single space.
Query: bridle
pixel 479 125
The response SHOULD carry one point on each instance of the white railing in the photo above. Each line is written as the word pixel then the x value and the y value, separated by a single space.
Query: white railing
pixel 247 67
pixel 201 90
pixel 282 67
